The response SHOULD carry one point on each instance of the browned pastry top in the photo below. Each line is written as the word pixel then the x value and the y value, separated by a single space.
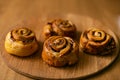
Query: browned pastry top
pixel 59 27
pixel 60 51
pixel 64 25
pixel 59 46
pixel 96 41
pixel 22 34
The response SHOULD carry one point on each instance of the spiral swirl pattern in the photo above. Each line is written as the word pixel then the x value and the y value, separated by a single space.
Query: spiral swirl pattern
pixel 60 27
pixel 22 34
pixel 96 41
pixel 59 45
pixel 57 51
pixel 21 42
pixel 64 25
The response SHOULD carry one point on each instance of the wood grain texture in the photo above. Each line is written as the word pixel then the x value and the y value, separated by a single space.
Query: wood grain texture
pixel 34 67
pixel 12 12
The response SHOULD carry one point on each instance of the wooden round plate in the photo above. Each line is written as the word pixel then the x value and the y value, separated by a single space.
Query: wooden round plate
pixel 34 67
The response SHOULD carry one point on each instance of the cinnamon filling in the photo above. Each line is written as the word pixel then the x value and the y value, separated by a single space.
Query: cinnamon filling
pixel 22 34
pixel 59 45
pixel 97 41
pixel 62 25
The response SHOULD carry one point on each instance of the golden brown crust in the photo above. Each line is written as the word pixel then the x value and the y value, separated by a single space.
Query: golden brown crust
pixel 60 51
pixel 96 41
pixel 21 42
pixel 22 34
pixel 59 27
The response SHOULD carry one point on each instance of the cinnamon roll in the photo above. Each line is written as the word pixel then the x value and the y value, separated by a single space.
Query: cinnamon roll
pixel 96 41
pixel 21 42
pixel 60 51
pixel 59 27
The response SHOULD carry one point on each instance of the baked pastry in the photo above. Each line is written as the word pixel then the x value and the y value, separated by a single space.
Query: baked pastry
pixel 97 41
pixel 59 27
pixel 21 42
pixel 60 51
